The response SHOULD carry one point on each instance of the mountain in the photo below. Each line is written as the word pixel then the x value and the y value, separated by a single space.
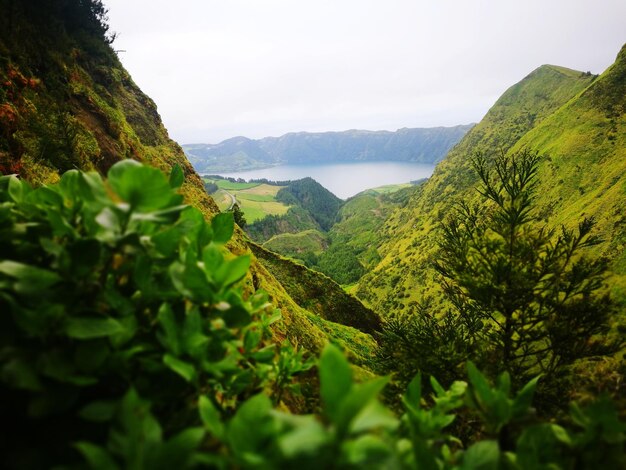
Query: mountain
pixel 576 121
pixel 423 145
pixel 67 102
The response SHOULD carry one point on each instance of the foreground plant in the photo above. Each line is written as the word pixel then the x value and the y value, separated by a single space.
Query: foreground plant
pixel 107 287
pixel 125 342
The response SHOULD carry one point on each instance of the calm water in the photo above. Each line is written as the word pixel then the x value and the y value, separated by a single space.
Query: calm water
pixel 344 179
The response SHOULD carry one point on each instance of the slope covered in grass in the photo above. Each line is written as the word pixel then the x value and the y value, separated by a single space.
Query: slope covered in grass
pixel 404 276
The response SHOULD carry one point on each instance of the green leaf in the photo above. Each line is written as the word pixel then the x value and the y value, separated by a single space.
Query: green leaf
pixel 307 438
pixel 30 279
pixel 251 339
pixel 17 188
pixel 223 225
pixel 179 450
pixel 414 391
pixel 237 316
pixel 143 187
pixel 373 415
pixel 480 386
pixel 88 328
pixel 524 398
pixel 184 369
pixel 97 457
pixel 484 455
pixel 177 177
pixel 357 400
pixel 170 338
pixel 212 257
pixel 367 451
pixel 211 417
pixel 250 428
pixel 335 380
pixel 98 411
pixel 232 271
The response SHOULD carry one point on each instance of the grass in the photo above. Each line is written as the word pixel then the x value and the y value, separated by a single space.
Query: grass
pixel 256 200
pixel 228 185
pixel 391 188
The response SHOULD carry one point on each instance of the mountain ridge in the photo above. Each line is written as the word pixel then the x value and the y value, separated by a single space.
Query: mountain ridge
pixel 423 145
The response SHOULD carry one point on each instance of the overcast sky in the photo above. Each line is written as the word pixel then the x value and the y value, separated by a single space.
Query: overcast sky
pixel 222 68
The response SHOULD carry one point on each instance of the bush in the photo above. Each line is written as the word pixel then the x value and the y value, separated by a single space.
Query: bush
pixel 119 309
pixel 126 343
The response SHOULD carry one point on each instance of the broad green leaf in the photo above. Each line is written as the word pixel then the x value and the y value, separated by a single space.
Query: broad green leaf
pixel 98 411
pixel 186 370
pixel 167 241
pixel 307 438
pixel 210 417
pixel 212 257
pixel 30 278
pixel 251 339
pixel 20 373
pixel 480 386
pixel 143 187
pixel 97 457
pixel 170 338
pixel 179 450
pixel 414 391
pixel 367 451
pixel 88 328
pixel 373 415
pixel 503 383
pixel 335 380
pixel 360 397
pixel 177 177
pixel 236 316
pixel 484 455
pixel 232 271
pixel 251 426
pixel 524 398
pixel 17 188
pixel 223 225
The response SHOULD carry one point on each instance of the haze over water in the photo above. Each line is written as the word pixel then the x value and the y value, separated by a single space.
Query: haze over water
pixel 343 179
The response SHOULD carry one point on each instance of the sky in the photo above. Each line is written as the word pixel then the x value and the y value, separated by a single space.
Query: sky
pixel 223 68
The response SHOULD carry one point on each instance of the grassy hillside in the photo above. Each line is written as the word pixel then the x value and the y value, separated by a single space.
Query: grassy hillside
pixel 67 102
pixel 296 245
pixel 405 276
pixel 256 200
pixel 311 207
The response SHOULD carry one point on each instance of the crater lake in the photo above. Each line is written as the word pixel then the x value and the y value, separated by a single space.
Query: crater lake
pixel 343 179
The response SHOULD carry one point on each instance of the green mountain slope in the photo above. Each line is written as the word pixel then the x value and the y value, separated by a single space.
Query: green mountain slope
pixel 67 102
pixel 404 276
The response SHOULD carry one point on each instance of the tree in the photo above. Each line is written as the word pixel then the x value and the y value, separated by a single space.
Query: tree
pixel 239 216
pixel 526 293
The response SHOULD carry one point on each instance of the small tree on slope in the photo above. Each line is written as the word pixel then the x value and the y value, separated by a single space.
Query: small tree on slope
pixel 525 292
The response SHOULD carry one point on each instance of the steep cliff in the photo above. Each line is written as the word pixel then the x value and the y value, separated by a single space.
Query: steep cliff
pixel 67 102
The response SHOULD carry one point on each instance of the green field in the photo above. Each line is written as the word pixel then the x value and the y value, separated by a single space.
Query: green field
pixel 256 200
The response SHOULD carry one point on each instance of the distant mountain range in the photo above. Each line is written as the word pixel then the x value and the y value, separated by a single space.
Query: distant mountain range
pixel 423 145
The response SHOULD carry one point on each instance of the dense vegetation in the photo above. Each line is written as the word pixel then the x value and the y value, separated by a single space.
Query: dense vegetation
pixel 344 246
pixel 145 354
pixel 428 145
pixel 137 334
pixel 55 68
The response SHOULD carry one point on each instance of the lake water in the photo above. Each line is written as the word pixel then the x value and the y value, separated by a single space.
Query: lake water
pixel 344 179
